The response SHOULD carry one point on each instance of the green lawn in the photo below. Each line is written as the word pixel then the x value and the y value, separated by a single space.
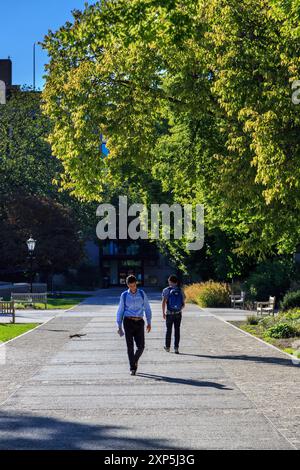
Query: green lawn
pixel 57 303
pixel 9 331
pixel 68 296
pixel 63 303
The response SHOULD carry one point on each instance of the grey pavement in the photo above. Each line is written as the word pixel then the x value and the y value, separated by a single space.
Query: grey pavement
pixel 230 314
pixel 31 316
pixel 226 390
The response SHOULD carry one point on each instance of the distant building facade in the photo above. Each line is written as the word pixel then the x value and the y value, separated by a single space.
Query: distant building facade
pixel 6 85
pixel 120 258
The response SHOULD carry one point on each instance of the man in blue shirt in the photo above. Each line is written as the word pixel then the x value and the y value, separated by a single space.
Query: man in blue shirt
pixel 133 304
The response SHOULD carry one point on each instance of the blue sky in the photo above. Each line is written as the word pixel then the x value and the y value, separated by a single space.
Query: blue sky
pixel 24 22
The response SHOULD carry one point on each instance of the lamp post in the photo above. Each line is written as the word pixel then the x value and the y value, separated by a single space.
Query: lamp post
pixel 31 247
pixel 34 65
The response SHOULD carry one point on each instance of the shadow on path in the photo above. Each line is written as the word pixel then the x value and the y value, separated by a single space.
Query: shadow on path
pixel 177 380
pixel 34 432
pixel 56 331
pixel 243 357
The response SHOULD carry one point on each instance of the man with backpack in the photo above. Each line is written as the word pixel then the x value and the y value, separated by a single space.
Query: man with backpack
pixel 173 301
pixel 133 304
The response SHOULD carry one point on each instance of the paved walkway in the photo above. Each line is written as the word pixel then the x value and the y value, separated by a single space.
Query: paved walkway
pixel 230 314
pixel 225 391
pixel 30 315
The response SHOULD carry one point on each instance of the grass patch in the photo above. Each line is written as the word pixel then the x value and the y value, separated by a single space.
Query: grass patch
pixel 63 303
pixel 55 303
pixel 67 296
pixel 9 331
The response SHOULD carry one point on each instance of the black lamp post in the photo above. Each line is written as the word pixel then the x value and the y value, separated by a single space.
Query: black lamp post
pixel 31 247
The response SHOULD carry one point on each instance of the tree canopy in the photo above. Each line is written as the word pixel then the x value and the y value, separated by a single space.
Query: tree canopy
pixel 26 161
pixel 27 164
pixel 194 99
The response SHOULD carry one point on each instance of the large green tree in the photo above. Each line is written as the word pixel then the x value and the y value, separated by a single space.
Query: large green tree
pixel 194 99
pixel 26 161
pixel 27 164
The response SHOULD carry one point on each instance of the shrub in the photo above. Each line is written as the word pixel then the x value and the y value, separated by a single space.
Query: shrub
pixel 208 294
pixel 214 294
pixel 192 291
pixel 270 277
pixel 267 321
pixel 20 306
pixel 252 320
pixel 281 330
pixel 291 315
pixel 289 350
pixel 290 300
pixel 252 329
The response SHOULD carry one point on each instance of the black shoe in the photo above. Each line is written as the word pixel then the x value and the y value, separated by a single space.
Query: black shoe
pixel 133 372
pixel 166 349
pixel 176 350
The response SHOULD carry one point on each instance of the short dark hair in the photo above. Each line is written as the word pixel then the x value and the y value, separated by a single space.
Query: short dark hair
pixel 131 279
pixel 173 278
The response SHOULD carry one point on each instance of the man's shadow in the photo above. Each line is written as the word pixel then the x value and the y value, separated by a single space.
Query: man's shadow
pixel 245 357
pixel 177 380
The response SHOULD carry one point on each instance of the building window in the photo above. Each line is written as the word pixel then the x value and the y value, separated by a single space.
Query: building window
pixel 131 263
pixel 110 248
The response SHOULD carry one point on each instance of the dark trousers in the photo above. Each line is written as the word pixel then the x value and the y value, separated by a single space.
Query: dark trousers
pixel 134 333
pixel 173 319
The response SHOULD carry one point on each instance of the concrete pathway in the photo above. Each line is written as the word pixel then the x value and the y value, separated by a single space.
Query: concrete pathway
pixel 31 316
pixel 230 314
pixel 225 391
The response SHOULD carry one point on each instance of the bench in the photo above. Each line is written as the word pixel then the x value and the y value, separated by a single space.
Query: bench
pixel 8 308
pixel 267 307
pixel 28 298
pixel 238 299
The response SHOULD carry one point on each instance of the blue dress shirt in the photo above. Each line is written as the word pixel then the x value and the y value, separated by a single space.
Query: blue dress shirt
pixel 135 306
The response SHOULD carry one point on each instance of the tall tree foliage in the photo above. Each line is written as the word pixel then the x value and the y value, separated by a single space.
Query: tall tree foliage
pixel 27 164
pixel 194 99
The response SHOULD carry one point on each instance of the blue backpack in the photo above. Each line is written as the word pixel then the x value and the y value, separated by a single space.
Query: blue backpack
pixel 140 291
pixel 175 299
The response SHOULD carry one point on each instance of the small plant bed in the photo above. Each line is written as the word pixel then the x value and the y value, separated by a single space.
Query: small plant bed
pixel 9 331
pixel 283 330
pixel 54 303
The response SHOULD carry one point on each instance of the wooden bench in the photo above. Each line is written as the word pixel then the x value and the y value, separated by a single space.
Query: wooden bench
pixel 267 307
pixel 8 308
pixel 238 299
pixel 29 298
